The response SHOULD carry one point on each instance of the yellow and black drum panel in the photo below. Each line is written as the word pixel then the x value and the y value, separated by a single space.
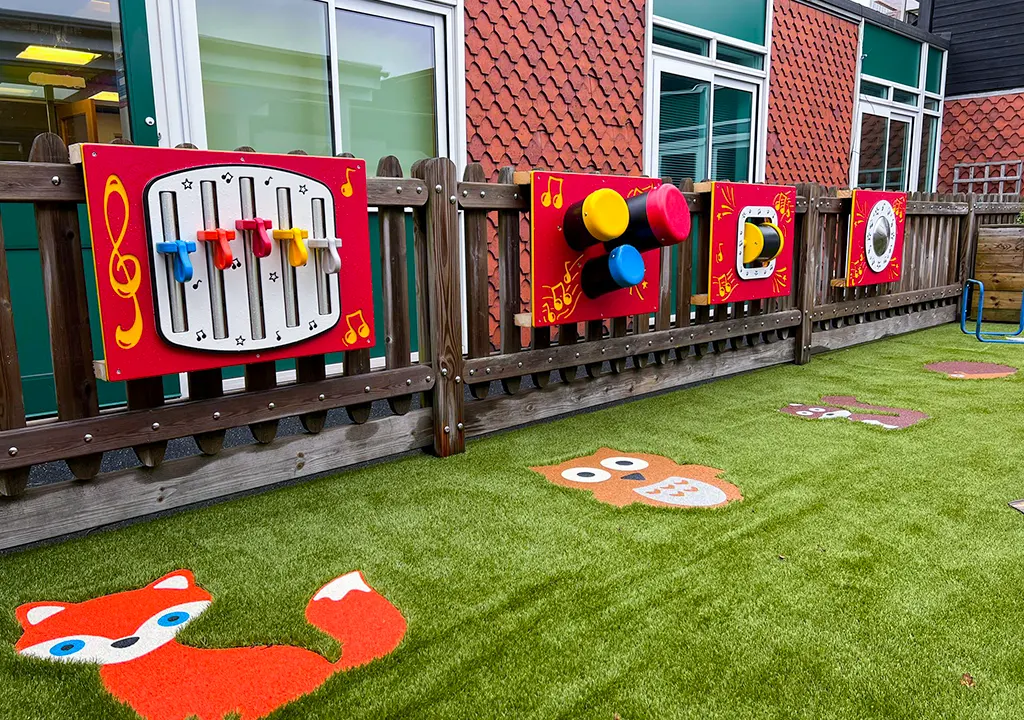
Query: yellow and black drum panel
pixel 759 242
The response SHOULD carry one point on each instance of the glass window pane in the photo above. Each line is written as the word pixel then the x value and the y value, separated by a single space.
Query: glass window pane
pixel 933 83
pixel 874 89
pixel 930 104
pixel 929 132
pixel 730 135
pixel 681 41
pixel 60 69
pixel 897 157
pixel 902 96
pixel 741 19
pixel 740 57
pixel 683 127
pixel 872 152
pixel 387 72
pixel 891 56
pixel 266 80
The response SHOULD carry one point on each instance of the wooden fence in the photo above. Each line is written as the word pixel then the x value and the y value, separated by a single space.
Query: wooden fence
pixel 460 394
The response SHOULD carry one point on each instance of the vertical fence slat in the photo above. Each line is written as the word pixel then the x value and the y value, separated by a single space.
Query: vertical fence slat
pixel 12 403
pixel 809 249
pixel 60 254
pixel 684 266
pixel 594 332
pixel 204 385
pixel 509 285
pixel 311 368
pixel 395 281
pixel 442 244
pixel 568 335
pixel 663 318
pixel 145 394
pixel 478 317
pixel 424 342
pixel 618 330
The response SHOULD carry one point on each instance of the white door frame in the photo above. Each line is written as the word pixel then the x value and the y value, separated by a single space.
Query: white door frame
pixel 884 110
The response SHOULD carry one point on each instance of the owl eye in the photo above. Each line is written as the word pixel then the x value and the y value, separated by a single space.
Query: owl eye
pixel 586 475
pixel 819 409
pixel 805 413
pixel 624 463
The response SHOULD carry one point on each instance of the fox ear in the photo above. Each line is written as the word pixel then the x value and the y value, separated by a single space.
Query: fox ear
pixel 177 580
pixel 31 614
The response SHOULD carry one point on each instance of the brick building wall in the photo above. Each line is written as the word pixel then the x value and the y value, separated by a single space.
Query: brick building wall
pixel 810 96
pixel 984 129
pixel 553 84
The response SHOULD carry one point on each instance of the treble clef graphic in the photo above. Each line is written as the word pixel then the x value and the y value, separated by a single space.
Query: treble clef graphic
pixel 123 269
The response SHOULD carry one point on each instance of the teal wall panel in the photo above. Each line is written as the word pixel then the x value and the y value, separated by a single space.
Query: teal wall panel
pixel 741 19
pixel 933 80
pixel 891 56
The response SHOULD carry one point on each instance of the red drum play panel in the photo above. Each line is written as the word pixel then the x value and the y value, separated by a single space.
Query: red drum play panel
pixel 595 242
pixel 752 230
pixel 210 259
pixel 875 252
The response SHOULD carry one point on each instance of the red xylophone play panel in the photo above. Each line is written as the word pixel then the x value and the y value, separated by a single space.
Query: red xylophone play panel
pixel 556 293
pixel 751 249
pixel 877 224
pixel 210 259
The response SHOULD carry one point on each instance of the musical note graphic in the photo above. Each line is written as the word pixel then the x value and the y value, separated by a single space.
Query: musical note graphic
pixel 236 263
pixel 278 334
pixel 200 335
pixel 559 296
pixel 123 270
pixel 362 331
pixel 552 197
pixel 312 324
pixel 346 188
pixel 548 315
pixel 567 278
pixel 720 255
pixel 267 181
pixel 227 177
pixel 195 285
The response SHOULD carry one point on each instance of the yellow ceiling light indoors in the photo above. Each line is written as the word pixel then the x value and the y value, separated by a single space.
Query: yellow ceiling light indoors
pixel 57 55
pixel 106 96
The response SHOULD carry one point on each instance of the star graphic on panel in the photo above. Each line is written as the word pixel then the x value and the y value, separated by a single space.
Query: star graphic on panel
pixel 239 340
pixel 273 277
pixel 187 184
pixel 303 189
pixel 644 284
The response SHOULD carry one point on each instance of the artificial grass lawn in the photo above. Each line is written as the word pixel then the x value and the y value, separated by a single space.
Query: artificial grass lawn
pixel 864 572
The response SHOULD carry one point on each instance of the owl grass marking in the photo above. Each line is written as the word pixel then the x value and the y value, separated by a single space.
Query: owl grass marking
pixel 846 407
pixel 621 479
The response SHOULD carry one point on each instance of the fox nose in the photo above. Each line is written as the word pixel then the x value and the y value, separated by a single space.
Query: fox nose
pixel 634 476
pixel 124 642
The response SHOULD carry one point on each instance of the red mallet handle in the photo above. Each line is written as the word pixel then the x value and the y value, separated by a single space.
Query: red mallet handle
pixel 261 246
pixel 222 257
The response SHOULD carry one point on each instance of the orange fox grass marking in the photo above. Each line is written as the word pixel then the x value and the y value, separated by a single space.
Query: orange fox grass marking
pixel 130 635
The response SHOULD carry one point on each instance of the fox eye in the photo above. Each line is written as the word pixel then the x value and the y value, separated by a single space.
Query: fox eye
pixel 624 463
pixel 172 619
pixel 586 475
pixel 68 647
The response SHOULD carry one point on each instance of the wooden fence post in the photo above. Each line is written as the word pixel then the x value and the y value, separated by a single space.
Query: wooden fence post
pixel 441 224
pixel 12 404
pixel 810 252
pixel 394 272
pixel 60 253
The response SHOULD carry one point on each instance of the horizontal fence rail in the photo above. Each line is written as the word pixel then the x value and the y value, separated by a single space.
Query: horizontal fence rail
pixel 467 374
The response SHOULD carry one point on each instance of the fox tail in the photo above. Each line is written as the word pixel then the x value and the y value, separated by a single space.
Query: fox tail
pixel 352 612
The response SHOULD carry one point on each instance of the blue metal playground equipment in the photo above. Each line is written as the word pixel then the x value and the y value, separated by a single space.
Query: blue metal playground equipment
pixel 988 336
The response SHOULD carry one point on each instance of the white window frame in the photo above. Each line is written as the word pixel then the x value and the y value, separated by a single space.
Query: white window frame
pixel 178 85
pixel 886 107
pixel 699 67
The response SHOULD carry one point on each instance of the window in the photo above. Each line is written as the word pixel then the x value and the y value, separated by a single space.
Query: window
pixel 899 106
pixel 366 77
pixel 709 90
